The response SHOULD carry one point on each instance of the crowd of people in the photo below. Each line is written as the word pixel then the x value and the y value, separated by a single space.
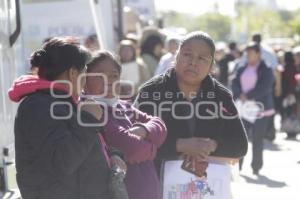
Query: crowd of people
pixel 74 125
pixel 269 77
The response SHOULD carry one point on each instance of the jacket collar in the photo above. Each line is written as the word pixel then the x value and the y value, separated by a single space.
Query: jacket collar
pixel 208 84
pixel 29 84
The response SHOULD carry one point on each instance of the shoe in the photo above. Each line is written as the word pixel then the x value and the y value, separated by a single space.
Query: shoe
pixel 270 135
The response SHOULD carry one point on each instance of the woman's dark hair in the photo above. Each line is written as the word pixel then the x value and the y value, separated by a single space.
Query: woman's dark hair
pixel 149 44
pixel 202 36
pixel 127 43
pixel 253 46
pixel 101 56
pixel 289 60
pixel 58 55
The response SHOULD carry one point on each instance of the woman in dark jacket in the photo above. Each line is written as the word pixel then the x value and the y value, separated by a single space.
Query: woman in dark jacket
pixel 198 111
pixel 289 85
pixel 255 82
pixel 57 156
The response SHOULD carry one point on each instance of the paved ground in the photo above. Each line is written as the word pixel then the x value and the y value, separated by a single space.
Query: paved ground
pixel 280 176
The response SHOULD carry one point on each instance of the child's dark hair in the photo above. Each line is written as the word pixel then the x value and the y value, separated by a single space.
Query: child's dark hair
pixel 58 55
pixel 99 57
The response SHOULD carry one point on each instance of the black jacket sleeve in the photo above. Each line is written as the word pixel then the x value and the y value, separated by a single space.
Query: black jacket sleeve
pixel 233 140
pixel 236 85
pixel 144 101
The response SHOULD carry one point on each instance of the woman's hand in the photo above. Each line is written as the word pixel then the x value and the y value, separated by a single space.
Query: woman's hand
pixel 139 131
pixel 243 97
pixel 199 148
pixel 93 108
pixel 118 162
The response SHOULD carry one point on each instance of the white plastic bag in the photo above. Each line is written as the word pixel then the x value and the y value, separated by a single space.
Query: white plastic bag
pixel 179 184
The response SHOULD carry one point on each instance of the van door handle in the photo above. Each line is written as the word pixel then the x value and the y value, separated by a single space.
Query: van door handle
pixel 14 36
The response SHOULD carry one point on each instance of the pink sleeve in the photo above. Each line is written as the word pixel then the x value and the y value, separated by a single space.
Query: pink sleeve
pixel 134 149
pixel 157 131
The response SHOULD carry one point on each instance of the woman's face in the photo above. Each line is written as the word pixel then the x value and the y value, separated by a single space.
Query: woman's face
pixel 158 50
pixel 126 54
pixel 193 62
pixel 73 76
pixel 173 46
pixel 99 85
pixel 253 57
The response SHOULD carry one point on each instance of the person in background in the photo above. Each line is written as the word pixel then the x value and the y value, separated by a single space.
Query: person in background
pixel 92 43
pixel 232 55
pixel 134 39
pixel 267 53
pixel 271 132
pixel 289 83
pixel 132 70
pixel 278 80
pixel 271 60
pixel 255 82
pixel 296 52
pixel 151 52
pixel 167 60
pixel 177 97
pixel 56 155
pixel 133 132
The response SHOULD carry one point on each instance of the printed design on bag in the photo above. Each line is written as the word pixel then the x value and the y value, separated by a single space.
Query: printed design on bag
pixel 195 189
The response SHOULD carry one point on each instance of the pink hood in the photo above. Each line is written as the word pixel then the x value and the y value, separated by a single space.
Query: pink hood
pixel 28 84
